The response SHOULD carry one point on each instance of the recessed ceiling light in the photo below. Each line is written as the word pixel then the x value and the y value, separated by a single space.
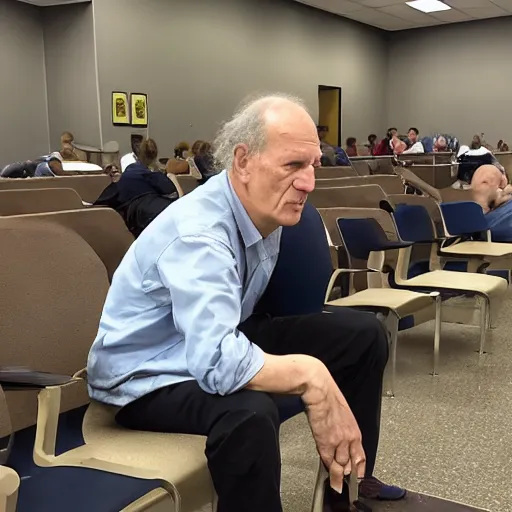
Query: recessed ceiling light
pixel 429 5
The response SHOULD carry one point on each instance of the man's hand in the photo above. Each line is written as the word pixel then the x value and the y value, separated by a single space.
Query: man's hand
pixel 336 433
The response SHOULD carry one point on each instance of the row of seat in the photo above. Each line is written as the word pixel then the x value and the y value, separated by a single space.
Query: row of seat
pixel 79 250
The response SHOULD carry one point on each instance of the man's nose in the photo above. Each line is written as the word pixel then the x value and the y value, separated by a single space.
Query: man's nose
pixel 306 181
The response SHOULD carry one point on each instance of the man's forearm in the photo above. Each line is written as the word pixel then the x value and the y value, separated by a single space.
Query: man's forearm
pixel 289 374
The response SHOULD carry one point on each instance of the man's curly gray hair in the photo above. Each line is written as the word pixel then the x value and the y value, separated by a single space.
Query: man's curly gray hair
pixel 247 126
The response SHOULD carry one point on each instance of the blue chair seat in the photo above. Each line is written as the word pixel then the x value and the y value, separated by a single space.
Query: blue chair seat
pixel 63 489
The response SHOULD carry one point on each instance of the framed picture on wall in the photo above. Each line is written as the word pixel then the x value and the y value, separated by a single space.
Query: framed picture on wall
pixel 139 109
pixel 120 108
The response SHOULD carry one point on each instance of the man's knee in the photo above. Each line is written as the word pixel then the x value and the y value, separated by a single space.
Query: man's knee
pixel 370 335
pixel 246 433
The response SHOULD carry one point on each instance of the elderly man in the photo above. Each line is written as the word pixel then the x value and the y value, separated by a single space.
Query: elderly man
pixel 180 350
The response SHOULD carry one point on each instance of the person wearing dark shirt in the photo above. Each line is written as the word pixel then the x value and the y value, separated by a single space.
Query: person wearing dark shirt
pixel 205 162
pixel 140 195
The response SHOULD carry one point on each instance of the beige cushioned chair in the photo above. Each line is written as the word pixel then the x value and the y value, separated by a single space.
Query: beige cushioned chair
pixel 397 304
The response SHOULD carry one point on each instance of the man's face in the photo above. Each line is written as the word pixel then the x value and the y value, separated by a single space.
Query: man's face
pixel 278 179
pixel 412 136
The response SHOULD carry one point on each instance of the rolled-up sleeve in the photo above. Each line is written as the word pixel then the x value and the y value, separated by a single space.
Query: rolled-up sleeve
pixel 202 276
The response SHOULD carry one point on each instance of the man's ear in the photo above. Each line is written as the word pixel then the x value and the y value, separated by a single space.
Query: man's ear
pixel 241 162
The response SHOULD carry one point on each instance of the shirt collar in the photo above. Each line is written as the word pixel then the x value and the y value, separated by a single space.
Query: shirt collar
pixel 250 234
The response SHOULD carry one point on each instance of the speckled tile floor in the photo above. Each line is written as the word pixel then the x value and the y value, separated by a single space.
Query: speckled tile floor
pixel 448 436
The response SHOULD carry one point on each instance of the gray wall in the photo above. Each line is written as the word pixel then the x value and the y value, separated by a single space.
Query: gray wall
pixel 71 73
pixel 454 78
pixel 197 59
pixel 24 120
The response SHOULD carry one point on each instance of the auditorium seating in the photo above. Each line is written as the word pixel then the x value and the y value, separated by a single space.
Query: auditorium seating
pixel 24 201
pixel 187 183
pixel 334 172
pixel 390 184
pixel 88 187
pixel 102 228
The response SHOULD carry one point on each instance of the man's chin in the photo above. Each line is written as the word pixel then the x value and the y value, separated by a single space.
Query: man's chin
pixel 291 218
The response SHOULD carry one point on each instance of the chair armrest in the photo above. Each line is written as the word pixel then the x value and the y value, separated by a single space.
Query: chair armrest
pixel 22 378
pixel 9 485
pixel 48 411
pixel 340 271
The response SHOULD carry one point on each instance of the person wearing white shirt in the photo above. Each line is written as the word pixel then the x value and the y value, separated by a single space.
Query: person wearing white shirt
pixel 131 158
pixel 416 144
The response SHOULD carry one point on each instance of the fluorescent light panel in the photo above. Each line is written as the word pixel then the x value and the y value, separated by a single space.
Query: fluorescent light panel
pixel 428 5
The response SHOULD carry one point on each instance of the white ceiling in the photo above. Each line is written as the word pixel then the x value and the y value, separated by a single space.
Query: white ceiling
pixel 47 3
pixel 397 15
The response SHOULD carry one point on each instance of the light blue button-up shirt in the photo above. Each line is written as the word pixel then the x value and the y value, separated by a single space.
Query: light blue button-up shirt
pixel 175 302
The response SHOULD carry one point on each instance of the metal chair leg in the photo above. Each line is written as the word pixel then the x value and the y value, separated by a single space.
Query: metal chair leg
pixel 437 331
pixel 392 325
pixel 319 491
pixel 484 323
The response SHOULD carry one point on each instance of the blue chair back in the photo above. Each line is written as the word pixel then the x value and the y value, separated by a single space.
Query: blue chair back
pixel 464 218
pixel 362 236
pixel 303 270
pixel 414 223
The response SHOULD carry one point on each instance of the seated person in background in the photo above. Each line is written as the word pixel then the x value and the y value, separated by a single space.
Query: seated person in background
pixel 178 164
pixel 384 148
pixel 194 171
pixel 51 166
pixel 472 159
pixel 327 149
pixel 415 145
pixel 194 358
pixel 504 147
pixel 397 145
pixel 351 149
pixel 440 144
pixel 490 190
pixel 67 150
pixel 205 162
pixel 141 194
pixel 131 158
pixel 372 142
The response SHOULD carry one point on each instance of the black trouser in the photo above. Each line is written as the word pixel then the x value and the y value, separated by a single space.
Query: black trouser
pixel 242 447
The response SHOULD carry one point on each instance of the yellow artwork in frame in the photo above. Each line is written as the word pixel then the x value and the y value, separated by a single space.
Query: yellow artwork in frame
pixel 120 108
pixel 139 109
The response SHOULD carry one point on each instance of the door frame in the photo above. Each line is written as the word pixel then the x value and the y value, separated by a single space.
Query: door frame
pixel 335 88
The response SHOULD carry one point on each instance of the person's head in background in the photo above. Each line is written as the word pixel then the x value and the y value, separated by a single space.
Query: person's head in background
pixel 271 149
pixel 476 143
pixel 148 153
pixel 504 147
pixel 195 147
pixel 391 132
pixel 180 149
pixel 204 149
pixel 322 132
pixel 412 135
pixel 351 142
pixel 441 144
pixel 136 141
pixel 499 146
pixel 66 138
pixel 372 139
